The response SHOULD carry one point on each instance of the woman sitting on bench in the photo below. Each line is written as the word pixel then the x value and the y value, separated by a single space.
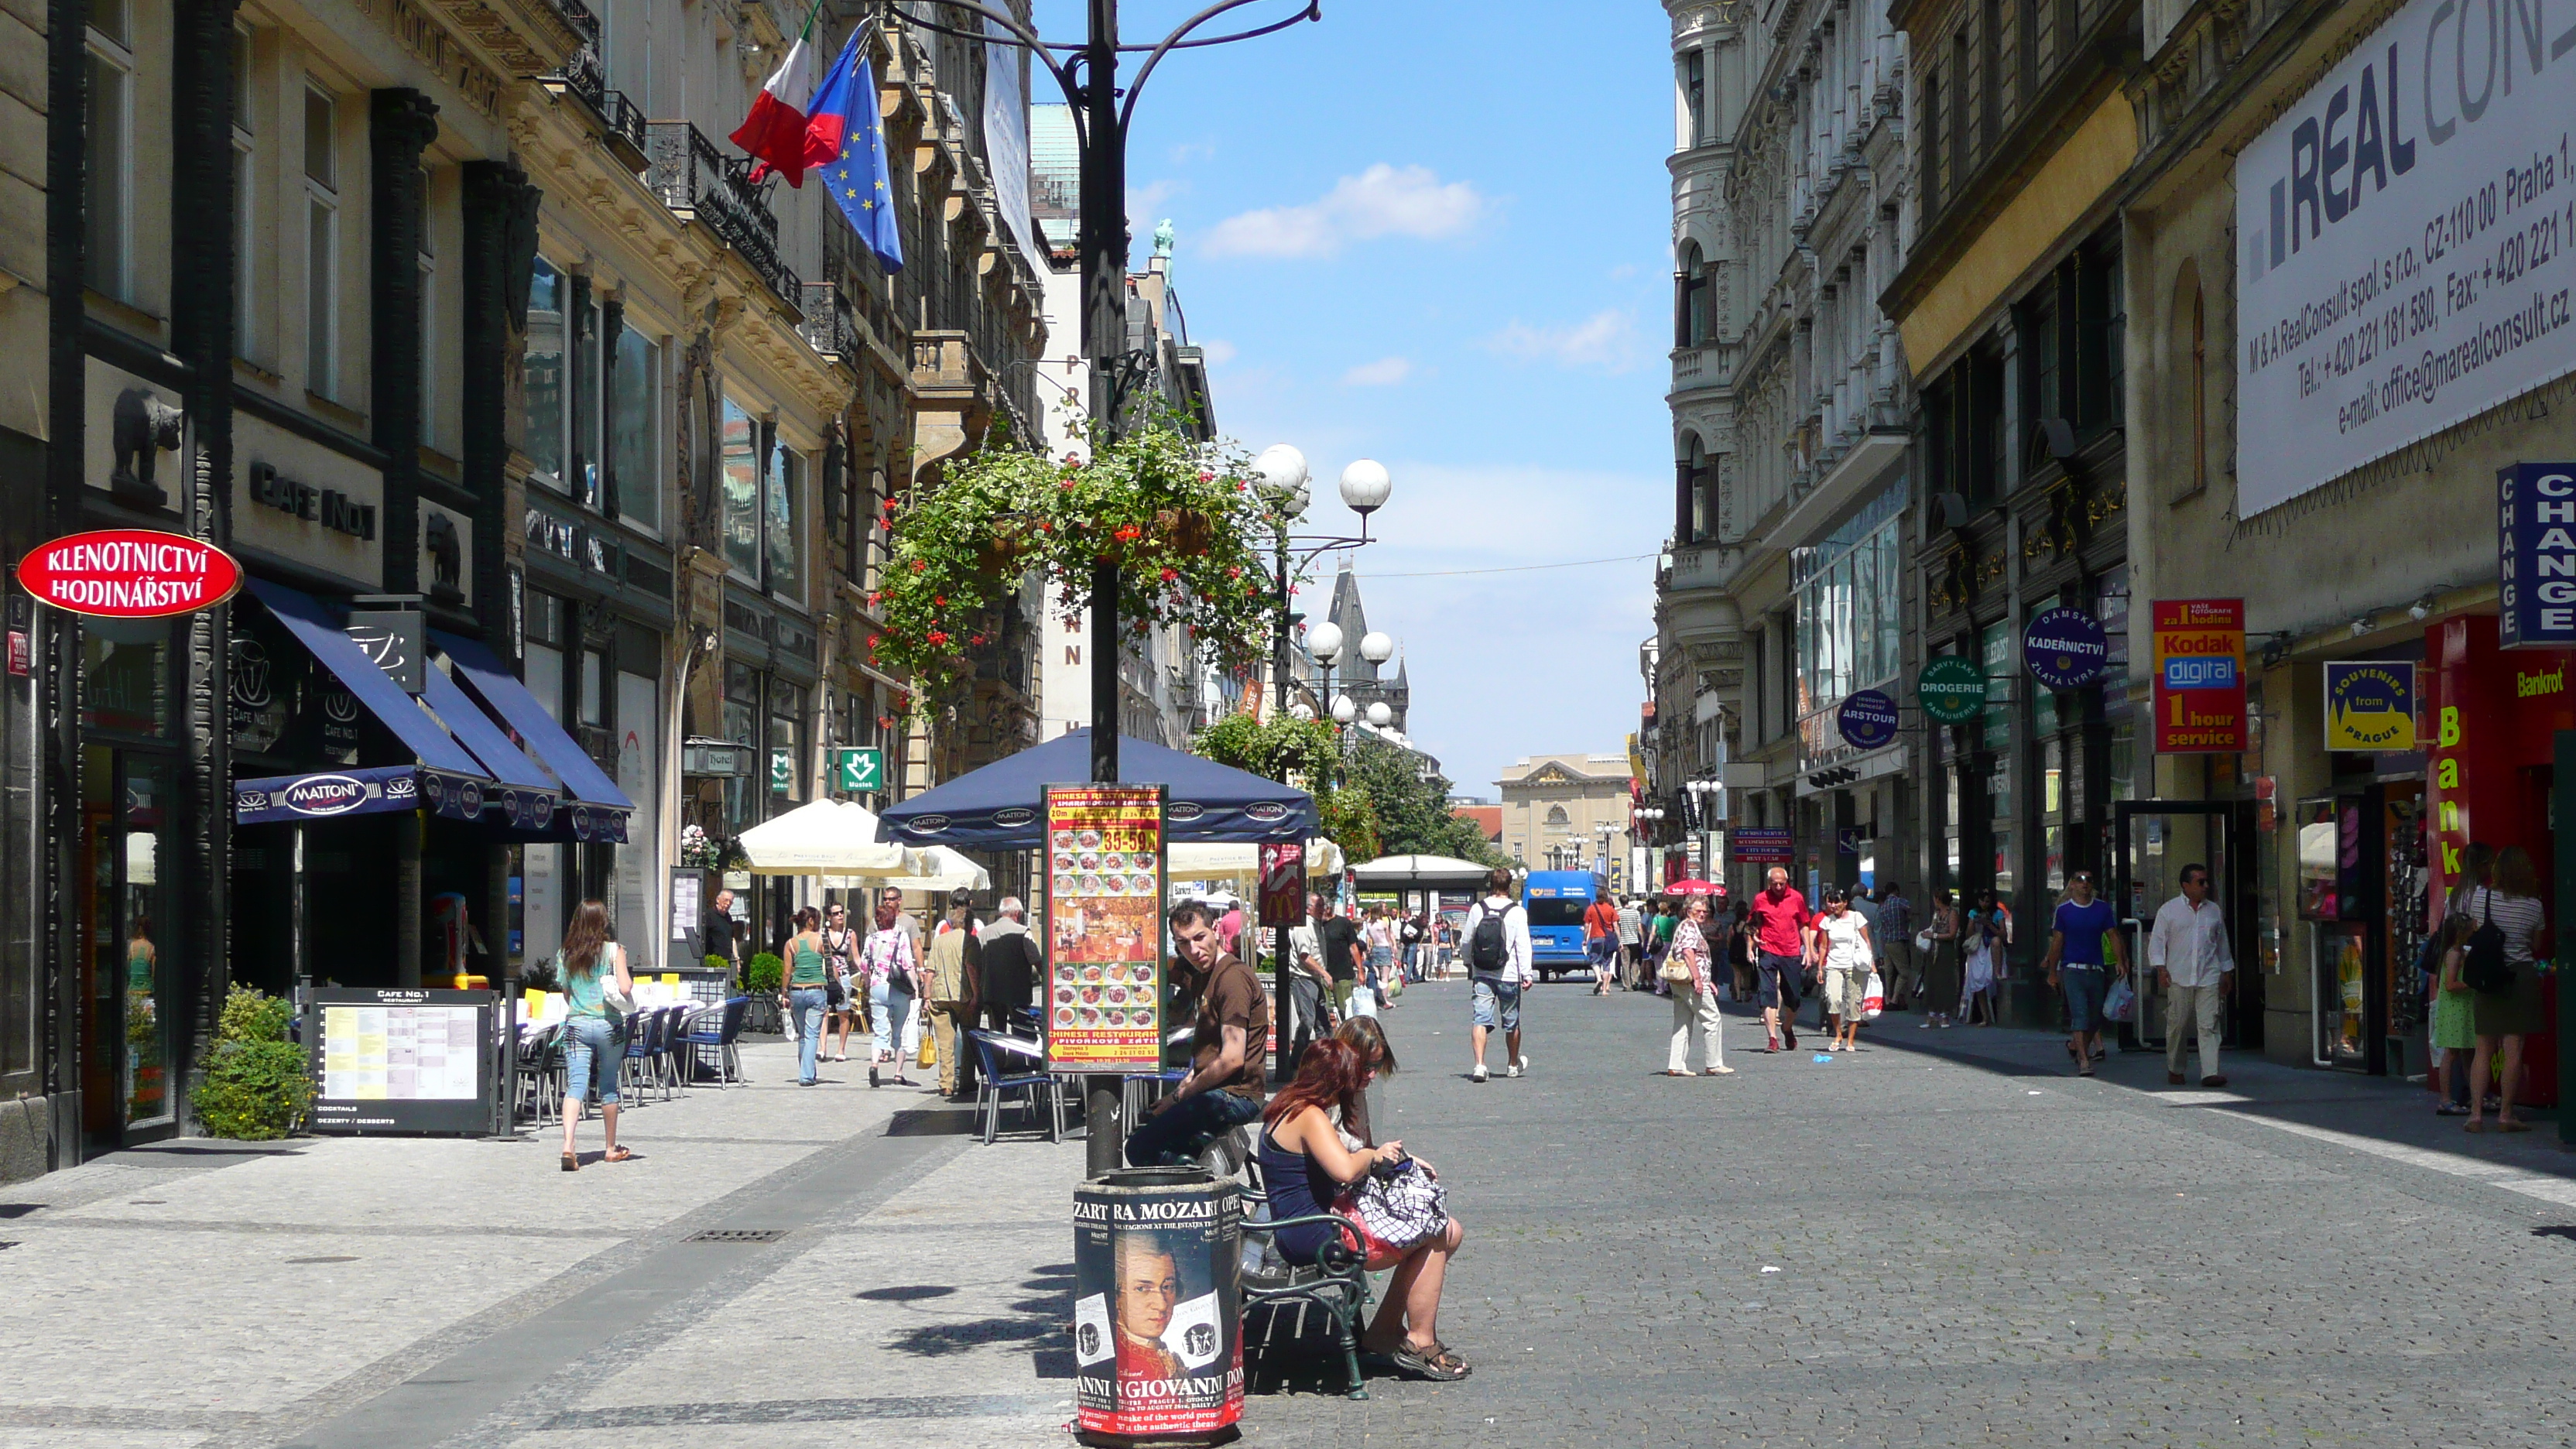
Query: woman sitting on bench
pixel 1306 1168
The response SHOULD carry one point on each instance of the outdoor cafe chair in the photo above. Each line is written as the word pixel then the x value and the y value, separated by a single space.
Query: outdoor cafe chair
pixel 1039 1087
pixel 719 1028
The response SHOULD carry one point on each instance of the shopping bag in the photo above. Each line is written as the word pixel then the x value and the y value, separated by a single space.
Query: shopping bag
pixel 929 1056
pixel 2121 1004
pixel 1873 998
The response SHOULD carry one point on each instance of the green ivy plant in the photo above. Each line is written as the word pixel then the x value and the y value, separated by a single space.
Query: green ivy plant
pixel 1181 519
pixel 1305 753
pixel 257 1087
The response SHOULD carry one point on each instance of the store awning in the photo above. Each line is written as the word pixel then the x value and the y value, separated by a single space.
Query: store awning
pixel 447 779
pixel 526 798
pixel 594 807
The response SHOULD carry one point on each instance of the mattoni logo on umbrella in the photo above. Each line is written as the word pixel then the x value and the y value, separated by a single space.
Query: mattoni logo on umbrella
pixel 1266 811
pixel 1188 810
pixel 325 795
pixel 1016 815
pixel 930 824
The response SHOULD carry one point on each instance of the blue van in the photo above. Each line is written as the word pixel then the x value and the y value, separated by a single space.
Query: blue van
pixel 1556 901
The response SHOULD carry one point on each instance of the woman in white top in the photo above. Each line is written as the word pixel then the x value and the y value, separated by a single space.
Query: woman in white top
pixel 1843 951
pixel 2503 1018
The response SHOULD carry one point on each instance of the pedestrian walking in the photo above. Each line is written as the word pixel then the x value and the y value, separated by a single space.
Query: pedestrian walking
pixel 2194 968
pixel 2083 943
pixel 2454 1028
pixel 2502 1011
pixel 1659 941
pixel 1943 980
pixel 843 1003
pixel 891 973
pixel 1743 952
pixel 1780 918
pixel 1381 955
pixel 1632 931
pixel 1416 940
pixel 1309 984
pixel 600 990
pixel 1843 957
pixel 1229 1068
pixel 1894 935
pixel 1987 931
pixel 1498 965
pixel 950 990
pixel 802 994
pixel 1307 1169
pixel 1344 953
pixel 1601 942
pixel 1695 994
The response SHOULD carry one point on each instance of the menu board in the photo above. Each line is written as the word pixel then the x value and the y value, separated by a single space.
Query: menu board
pixel 401 1061
pixel 1104 928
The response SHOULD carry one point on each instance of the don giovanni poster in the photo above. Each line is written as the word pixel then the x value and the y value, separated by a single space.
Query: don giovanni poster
pixel 1156 1313
pixel 2406 229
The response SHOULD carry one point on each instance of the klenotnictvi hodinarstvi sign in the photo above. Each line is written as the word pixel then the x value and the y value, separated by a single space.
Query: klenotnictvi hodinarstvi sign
pixel 2409 235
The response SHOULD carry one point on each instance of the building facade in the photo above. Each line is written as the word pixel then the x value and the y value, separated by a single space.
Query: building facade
pixel 460 331
pixel 1565 812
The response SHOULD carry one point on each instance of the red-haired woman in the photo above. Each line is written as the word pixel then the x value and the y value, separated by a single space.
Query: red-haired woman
pixel 1305 1166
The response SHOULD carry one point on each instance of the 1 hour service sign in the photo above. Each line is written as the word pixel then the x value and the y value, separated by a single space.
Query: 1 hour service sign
pixel 1104 928
pixel 2200 676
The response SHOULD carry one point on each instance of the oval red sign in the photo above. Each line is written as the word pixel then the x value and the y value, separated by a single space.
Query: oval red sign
pixel 129 573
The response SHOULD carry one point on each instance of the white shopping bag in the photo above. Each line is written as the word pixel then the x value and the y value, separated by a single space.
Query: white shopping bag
pixel 1873 998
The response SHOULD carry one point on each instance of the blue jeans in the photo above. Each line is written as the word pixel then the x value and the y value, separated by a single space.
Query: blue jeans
pixel 890 1008
pixel 2084 987
pixel 594 1056
pixel 805 1004
pixel 1176 1135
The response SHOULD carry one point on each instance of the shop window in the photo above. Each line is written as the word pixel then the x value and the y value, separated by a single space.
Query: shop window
pixel 594 687
pixel 541 373
pixel 321 243
pixel 1694 317
pixel 742 726
pixel 585 394
pixel 783 507
pixel 787 758
pixel 2101 324
pixel 740 465
pixel 125 676
pixel 246 227
pixel 635 448
pixel 1995 650
pixel 1699 508
pixel 1695 97
pixel 107 205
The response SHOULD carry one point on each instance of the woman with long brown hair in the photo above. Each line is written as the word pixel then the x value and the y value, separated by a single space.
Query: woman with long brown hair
pixel 2502 1015
pixel 592 968
pixel 1305 1167
pixel 801 989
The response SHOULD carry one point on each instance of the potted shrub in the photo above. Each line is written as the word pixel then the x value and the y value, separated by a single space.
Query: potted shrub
pixel 257 1087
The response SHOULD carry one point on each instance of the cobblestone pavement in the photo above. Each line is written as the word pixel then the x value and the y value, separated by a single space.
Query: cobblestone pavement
pixel 1944 1239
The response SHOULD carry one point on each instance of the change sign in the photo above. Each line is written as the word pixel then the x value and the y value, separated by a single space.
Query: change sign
pixel 2536 556
pixel 2200 676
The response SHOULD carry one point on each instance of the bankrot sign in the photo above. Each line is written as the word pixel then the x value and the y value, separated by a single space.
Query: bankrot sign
pixel 2200 676
pixel 129 573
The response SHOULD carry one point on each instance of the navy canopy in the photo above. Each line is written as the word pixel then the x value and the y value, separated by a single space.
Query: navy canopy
pixel 1001 806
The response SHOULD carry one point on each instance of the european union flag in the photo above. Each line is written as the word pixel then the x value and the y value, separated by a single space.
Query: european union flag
pixel 855 172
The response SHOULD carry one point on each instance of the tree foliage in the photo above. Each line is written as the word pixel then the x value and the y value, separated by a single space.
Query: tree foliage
pixel 1413 811
pixel 1307 754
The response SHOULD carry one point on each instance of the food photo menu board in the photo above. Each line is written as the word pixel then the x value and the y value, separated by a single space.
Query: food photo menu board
pixel 400 1061
pixel 1104 928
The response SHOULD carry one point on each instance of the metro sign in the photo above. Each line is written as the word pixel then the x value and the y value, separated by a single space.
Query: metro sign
pixel 129 573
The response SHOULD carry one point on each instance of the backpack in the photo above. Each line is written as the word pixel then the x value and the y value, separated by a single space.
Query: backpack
pixel 1489 946
pixel 2482 965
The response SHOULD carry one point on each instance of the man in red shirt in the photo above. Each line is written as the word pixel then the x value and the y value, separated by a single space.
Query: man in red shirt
pixel 1601 943
pixel 1781 924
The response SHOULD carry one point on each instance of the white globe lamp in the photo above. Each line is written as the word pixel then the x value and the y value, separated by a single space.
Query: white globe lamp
pixel 1376 647
pixel 1378 714
pixel 1324 641
pixel 1284 478
pixel 1343 709
pixel 1365 487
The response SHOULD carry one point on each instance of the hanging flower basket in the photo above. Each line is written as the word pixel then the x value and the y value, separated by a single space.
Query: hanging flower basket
pixel 1179 519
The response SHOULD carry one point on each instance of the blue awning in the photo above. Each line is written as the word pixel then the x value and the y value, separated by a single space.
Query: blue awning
pixel 448 779
pixel 594 808
pixel 326 793
pixel 1001 806
pixel 524 795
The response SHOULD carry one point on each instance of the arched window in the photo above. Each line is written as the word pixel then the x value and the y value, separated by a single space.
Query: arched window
pixel 1694 323
pixel 1557 819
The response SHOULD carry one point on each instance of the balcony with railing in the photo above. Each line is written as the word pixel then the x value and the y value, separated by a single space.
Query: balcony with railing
pixel 830 327
pixel 620 121
pixel 700 183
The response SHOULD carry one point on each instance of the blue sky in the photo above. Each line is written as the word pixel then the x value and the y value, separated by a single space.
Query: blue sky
pixel 1435 233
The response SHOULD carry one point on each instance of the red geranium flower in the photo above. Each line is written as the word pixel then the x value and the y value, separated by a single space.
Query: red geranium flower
pixel 919 567
pixel 936 637
pixel 1128 534
pixel 1170 574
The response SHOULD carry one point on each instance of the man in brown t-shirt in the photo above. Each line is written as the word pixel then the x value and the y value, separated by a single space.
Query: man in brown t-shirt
pixel 1228 1073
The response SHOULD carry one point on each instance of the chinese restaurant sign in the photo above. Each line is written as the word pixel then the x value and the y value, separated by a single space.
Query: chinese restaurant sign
pixel 2370 705
pixel 129 573
pixel 1104 928
pixel 2200 676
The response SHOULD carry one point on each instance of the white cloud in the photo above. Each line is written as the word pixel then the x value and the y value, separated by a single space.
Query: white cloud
pixel 1217 351
pixel 1385 372
pixel 1384 200
pixel 1145 200
pixel 1606 340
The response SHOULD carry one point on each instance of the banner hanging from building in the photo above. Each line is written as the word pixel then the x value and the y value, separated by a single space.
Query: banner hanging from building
pixel 2408 255
pixel 2536 556
pixel 1283 883
pixel 2200 676
pixel 1104 928
pixel 2370 705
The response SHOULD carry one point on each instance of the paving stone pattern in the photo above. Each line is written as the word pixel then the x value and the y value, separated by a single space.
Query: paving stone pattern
pixel 1968 1245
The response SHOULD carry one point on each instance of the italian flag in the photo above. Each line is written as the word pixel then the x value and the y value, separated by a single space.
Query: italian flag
pixel 774 132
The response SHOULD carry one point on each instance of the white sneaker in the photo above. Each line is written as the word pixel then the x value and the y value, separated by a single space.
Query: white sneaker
pixel 1477 1075
pixel 1518 1066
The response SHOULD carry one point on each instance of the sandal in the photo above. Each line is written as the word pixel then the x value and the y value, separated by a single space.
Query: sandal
pixel 617 1154
pixel 1719 1072
pixel 2516 1125
pixel 1438 1366
pixel 572 1162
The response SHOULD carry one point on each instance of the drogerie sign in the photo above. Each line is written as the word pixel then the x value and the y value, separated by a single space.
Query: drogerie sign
pixel 129 573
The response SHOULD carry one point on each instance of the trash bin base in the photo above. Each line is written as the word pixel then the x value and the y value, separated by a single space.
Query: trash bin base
pixel 1227 1435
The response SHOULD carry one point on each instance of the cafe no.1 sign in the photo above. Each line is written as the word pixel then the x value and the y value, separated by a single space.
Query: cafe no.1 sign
pixel 129 573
